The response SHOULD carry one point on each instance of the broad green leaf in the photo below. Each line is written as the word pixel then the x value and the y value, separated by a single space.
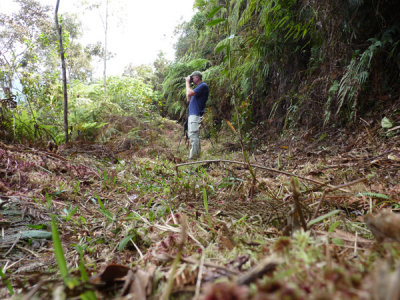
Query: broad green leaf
pixel 36 226
pixel 84 275
pixel 374 195
pixel 89 295
pixel 385 123
pixel 125 241
pixel 58 251
pixel 36 234
pixel 205 200
pixel 215 22
pixel 6 281
pixel 103 210
pixel 304 33
pixel 337 241
pixel 322 137
pixel 100 203
pixel 214 11
pixel 323 217
pixel 241 220
pixel 71 213
pixel 220 48
pixel 333 226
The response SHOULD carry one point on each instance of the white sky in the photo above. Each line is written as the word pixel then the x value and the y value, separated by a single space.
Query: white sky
pixel 137 29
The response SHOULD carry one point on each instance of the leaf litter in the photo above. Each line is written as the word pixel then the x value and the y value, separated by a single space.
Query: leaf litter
pixel 326 227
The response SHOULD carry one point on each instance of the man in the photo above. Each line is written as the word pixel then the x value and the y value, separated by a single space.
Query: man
pixel 197 99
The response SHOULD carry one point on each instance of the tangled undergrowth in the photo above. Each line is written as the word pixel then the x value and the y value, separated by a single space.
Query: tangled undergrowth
pixel 121 220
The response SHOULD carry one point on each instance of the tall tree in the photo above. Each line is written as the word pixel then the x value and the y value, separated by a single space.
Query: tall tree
pixel 105 51
pixel 64 73
pixel 19 39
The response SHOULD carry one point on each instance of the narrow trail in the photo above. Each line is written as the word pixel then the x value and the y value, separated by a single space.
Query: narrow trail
pixel 123 206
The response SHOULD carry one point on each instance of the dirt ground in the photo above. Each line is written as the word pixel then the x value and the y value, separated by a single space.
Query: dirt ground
pixel 120 203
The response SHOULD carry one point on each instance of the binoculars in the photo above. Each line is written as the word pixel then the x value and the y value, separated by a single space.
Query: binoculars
pixel 191 78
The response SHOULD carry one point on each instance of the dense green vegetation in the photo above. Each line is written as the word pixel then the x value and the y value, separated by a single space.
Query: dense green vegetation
pixel 287 63
pixel 119 213
pixel 29 69
pixel 281 63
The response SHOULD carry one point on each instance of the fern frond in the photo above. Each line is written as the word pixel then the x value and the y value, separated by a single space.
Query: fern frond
pixel 248 12
pixel 356 3
pixel 356 75
pixel 374 195
pixel 331 93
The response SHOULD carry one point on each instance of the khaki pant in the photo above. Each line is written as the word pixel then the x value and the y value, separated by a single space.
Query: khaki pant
pixel 194 137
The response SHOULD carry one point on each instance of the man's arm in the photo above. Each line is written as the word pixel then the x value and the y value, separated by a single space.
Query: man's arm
pixel 189 91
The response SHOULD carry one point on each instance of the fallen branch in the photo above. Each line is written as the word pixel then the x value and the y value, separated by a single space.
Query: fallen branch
pixel 330 189
pixel 199 276
pixel 346 237
pixel 266 266
pixel 13 245
pixel 167 258
pixel 394 128
pixel 298 205
pixel 255 166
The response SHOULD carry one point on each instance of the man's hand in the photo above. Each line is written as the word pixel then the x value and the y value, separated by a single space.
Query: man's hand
pixel 189 91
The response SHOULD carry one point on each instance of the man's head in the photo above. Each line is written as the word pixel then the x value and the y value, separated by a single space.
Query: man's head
pixel 197 77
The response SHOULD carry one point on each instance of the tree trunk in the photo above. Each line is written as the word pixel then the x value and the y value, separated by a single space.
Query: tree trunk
pixel 105 52
pixel 64 73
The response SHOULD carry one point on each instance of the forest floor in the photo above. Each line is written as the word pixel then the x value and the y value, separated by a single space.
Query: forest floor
pixel 126 219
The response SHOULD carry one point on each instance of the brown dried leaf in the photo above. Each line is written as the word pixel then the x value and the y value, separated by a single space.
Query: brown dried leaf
pixel 263 267
pixel 4 221
pixel 225 237
pixel 387 286
pixel 225 291
pixel 112 273
pixel 138 285
pixel 187 277
pixel 3 188
pixel 128 282
pixel 384 226
pixel 225 243
pixel 238 262
pixel 142 285
pixel 346 237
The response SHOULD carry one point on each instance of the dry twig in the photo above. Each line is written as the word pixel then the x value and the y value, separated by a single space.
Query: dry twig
pixel 167 291
pixel 255 166
pixel 330 189
pixel 266 266
pixel 298 205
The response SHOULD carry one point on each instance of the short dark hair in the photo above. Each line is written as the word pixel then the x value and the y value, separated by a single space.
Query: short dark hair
pixel 197 73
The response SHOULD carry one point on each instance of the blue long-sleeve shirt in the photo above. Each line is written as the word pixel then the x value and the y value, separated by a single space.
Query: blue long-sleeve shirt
pixel 197 103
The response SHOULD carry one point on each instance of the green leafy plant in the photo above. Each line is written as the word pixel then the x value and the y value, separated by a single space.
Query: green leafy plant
pixel 323 217
pixel 60 258
pixel 205 201
pixel 6 281
pixel 331 95
pixel 87 295
pixel 71 211
pixel 174 84
pixel 104 211
pixel 76 187
pixel 359 69
pixel 374 195
pixel 49 200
